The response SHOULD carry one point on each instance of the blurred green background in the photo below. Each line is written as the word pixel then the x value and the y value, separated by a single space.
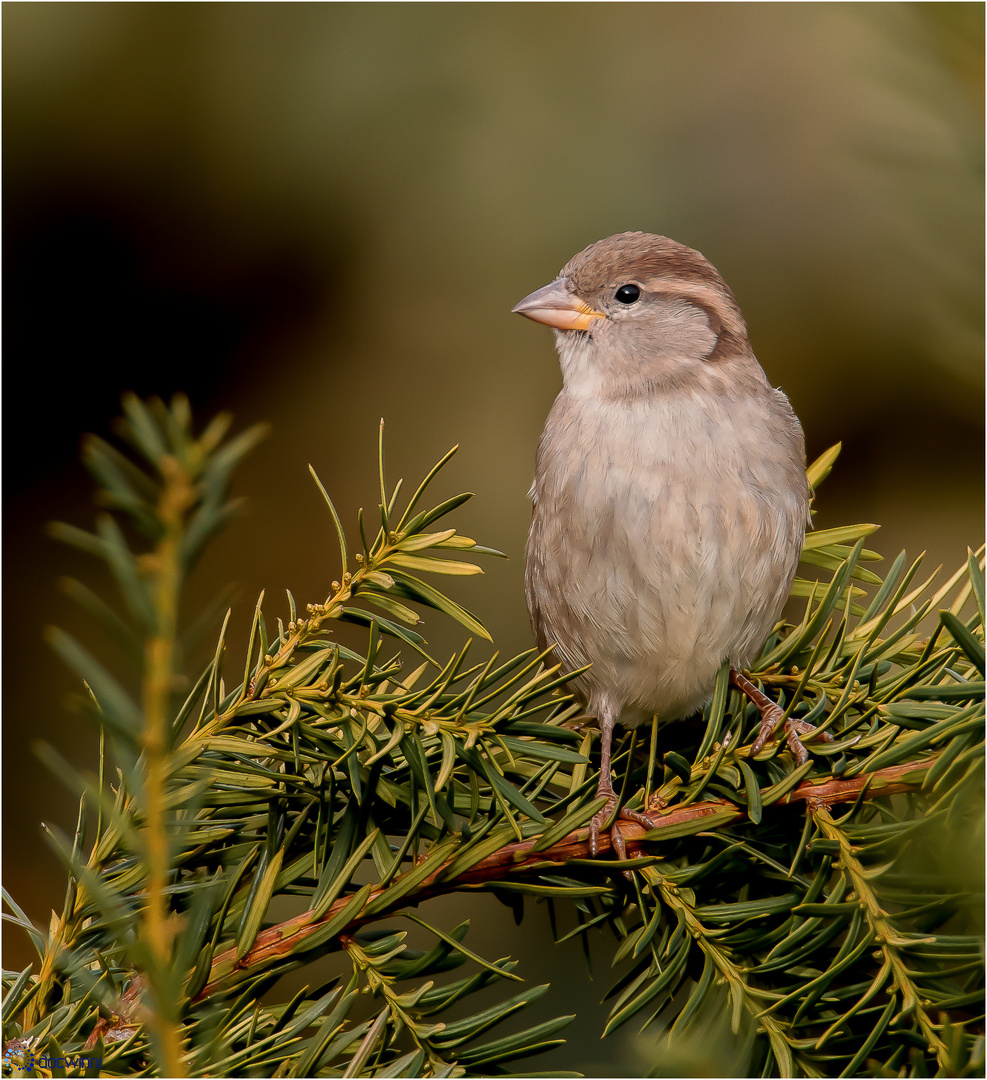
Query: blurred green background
pixel 321 214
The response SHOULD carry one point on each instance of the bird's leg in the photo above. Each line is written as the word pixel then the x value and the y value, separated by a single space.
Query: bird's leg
pixel 771 716
pixel 605 787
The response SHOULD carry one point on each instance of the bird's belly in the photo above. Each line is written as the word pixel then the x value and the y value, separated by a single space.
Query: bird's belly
pixel 656 574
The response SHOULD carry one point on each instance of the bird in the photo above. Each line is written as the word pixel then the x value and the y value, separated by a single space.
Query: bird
pixel 670 499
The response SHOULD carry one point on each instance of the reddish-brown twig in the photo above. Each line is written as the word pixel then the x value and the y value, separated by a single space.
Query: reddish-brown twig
pixel 519 858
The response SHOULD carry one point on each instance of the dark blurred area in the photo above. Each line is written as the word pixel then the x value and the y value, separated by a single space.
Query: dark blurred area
pixel 321 214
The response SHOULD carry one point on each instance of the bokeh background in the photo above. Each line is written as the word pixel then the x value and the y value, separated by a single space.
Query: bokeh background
pixel 321 214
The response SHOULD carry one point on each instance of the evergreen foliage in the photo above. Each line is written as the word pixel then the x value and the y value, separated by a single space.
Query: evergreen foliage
pixel 307 799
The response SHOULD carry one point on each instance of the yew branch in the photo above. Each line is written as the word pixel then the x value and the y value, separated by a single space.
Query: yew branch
pixel 517 859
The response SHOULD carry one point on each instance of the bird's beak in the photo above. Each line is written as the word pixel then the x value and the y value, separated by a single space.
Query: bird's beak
pixel 554 305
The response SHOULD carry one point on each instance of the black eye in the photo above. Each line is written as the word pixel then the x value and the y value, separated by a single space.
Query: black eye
pixel 627 294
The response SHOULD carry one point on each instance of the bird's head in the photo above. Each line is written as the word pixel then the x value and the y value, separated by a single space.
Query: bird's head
pixel 638 311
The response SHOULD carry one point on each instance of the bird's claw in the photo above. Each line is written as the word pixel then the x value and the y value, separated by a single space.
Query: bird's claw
pixel 772 718
pixel 600 819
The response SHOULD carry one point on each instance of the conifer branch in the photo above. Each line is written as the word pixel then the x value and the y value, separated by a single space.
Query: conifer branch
pixel 521 858
pixel 320 763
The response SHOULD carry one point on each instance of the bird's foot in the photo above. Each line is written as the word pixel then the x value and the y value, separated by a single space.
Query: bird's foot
pixel 599 822
pixel 793 728
pixel 772 716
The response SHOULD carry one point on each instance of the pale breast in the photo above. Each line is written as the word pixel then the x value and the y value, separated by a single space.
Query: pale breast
pixel 664 536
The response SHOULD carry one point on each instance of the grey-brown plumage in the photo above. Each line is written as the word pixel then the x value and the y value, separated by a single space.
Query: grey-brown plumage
pixel 670 499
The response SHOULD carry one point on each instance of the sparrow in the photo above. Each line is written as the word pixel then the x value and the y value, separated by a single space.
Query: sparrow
pixel 670 500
